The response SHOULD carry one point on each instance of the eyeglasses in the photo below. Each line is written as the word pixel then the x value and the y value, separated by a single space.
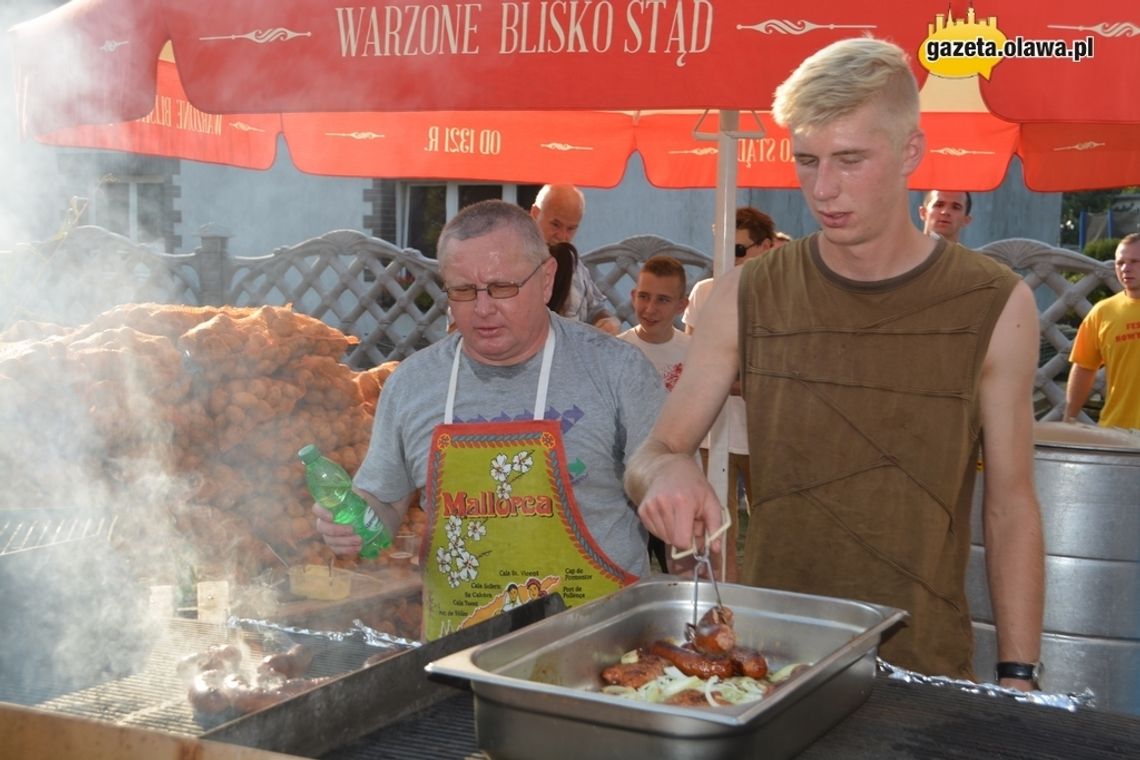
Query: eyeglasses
pixel 742 250
pixel 493 289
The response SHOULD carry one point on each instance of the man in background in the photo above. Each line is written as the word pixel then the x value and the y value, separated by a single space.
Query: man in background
pixel 1109 336
pixel 558 212
pixel 658 299
pixel 945 213
pixel 755 236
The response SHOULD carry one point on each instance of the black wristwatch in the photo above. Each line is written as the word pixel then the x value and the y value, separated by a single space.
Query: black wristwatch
pixel 1021 671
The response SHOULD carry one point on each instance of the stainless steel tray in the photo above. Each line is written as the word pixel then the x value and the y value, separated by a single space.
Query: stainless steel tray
pixel 537 690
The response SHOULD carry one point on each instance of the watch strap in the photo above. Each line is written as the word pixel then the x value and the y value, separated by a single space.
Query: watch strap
pixel 1022 671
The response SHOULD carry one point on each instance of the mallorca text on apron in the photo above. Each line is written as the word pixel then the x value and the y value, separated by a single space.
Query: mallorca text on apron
pixel 503 525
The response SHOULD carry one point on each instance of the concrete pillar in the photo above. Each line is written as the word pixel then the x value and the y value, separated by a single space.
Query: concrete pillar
pixel 212 264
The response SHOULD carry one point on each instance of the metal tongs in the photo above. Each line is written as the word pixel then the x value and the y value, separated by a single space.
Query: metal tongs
pixel 703 559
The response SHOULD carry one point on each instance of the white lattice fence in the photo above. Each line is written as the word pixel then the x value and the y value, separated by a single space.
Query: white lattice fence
pixel 72 279
pixel 392 299
pixel 1061 281
pixel 614 268
pixel 389 298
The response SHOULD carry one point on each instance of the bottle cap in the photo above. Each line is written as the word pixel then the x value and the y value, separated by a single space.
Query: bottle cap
pixel 309 453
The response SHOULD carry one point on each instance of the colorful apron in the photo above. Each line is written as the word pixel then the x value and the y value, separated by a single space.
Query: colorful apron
pixel 503 525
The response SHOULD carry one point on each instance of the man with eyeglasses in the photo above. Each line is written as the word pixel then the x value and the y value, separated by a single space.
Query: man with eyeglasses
pixel 517 427
pixel 755 235
pixel 558 212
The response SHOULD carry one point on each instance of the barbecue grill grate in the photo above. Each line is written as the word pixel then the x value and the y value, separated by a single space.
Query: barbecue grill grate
pixel 446 729
pixel 23 530
pixel 155 697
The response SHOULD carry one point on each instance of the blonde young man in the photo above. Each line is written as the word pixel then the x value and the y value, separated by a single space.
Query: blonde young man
pixel 558 212
pixel 1109 336
pixel 945 213
pixel 875 359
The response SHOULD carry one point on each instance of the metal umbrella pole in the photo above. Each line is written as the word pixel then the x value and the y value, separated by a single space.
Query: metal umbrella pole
pixel 724 239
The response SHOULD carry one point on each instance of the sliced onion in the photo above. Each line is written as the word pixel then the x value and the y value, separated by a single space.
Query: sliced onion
pixel 691 682
pixel 709 684
pixel 736 690
pixel 784 673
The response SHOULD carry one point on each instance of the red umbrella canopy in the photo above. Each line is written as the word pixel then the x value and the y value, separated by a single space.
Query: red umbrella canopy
pixel 267 56
pixel 380 90
pixel 1071 62
pixel 590 148
pixel 175 128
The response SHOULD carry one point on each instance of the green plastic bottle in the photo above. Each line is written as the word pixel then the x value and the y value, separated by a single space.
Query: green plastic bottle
pixel 331 487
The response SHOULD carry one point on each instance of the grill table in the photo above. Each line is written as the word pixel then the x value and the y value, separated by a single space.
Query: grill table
pixel 900 721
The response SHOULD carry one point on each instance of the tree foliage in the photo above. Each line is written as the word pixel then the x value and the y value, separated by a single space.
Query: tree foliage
pixel 1103 249
pixel 1092 201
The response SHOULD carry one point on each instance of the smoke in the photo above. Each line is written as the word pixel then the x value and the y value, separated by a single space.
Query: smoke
pixel 30 208
pixel 85 524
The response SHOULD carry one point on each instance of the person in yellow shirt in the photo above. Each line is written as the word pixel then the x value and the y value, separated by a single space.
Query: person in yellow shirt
pixel 1110 337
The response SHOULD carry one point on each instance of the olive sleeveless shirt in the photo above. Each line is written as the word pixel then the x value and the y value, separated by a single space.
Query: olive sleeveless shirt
pixel 864 427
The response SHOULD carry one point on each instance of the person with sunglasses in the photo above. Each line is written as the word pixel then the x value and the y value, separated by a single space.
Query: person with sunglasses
pixel 755 235
pixel 517 428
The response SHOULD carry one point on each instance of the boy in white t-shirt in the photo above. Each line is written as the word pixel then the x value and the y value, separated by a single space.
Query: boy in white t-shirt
pixel 658 300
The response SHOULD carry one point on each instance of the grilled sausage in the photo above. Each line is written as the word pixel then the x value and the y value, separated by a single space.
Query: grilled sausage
pixel 223 657
pixel 693 663
pixel 713 633
pixel 247 699
pixel 748 662
pixel 718 615
pixel 207 695
pixel 290 664
pixel 714 638
pixel 295 686
pixel 635 674
pixel 693 698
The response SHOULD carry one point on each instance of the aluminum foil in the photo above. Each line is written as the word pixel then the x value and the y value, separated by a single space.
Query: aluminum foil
pixel 1069 702
pixel 370 636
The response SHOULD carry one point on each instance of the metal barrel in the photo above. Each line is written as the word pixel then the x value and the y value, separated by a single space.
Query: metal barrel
pixel 1088 484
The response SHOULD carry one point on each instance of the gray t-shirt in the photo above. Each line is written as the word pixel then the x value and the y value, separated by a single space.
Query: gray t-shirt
pixel 585 301
pixel 604 391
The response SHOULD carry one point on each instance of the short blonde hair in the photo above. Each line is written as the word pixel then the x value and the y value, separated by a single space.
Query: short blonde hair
pixel 834 81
